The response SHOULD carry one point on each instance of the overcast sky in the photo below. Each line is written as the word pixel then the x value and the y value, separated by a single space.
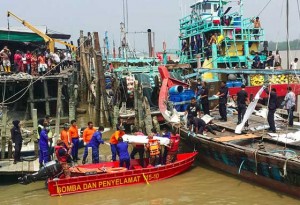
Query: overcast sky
pixel 162 16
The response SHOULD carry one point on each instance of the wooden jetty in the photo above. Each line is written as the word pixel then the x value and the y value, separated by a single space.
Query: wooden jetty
pixel 7 167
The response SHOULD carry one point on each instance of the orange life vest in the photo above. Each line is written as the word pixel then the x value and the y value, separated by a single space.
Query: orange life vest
pixel 153 147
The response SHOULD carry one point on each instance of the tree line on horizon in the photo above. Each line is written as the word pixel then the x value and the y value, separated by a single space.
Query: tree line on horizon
pixel 294 45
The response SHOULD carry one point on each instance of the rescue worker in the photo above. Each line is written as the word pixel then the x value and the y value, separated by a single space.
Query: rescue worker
pixel 222 94
pixel 122 148
pixel 173 147
pixel 73 133
pixel 86 137
pixel 153 149
pixel 44 156
pixel 17 140
pixel 64 136
pixel 88 133
pixel 63 157
pixel 272 108
pixel 114 141
pixel 140 149
pixel 94 144
pixel 165 133
pixel 40 127
pixel 242 101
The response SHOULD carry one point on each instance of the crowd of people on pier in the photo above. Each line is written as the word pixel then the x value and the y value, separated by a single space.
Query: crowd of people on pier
pixel 35 62
pixel 196 108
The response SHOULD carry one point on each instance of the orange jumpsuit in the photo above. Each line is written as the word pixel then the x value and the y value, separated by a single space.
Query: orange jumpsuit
pixel 88 134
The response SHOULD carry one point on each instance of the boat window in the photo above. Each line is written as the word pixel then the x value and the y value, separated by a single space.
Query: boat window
pixel 215 7
pixel 206 8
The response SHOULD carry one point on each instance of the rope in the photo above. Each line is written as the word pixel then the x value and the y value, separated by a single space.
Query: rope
pixel 264 8
pixel 24 90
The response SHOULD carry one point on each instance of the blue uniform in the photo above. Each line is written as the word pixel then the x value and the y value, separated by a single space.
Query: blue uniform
pixel 44 147
pixel 123 154
pixel 94 144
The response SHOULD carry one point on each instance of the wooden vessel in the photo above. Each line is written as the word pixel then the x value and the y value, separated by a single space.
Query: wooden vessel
pixel 255 157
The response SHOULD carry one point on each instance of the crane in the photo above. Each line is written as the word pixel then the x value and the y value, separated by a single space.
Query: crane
pixel 49 41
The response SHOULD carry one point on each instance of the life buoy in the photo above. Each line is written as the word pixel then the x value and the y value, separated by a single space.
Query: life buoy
pixel 116 169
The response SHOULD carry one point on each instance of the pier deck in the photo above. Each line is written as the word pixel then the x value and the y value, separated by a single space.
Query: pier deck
pixel 9 168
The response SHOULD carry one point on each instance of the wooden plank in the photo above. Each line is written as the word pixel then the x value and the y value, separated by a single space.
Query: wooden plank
pixel 236 137
pixel 9 168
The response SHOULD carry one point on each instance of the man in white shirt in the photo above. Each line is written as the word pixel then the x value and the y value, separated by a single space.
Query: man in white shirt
pixel 290 102
pixel 294 64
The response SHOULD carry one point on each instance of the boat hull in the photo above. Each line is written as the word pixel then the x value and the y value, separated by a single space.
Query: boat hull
pixel 255 166
pixel 111 180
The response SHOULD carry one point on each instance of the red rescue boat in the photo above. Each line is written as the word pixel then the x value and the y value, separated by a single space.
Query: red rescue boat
pixel 107 175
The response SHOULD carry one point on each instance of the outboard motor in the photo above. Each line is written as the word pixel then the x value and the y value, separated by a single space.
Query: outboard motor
pixel 50 169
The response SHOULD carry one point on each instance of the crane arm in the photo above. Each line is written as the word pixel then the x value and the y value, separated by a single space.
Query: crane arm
pixel 72 47
pixel 46 38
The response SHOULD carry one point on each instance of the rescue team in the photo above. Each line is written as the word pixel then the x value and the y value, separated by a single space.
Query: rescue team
pixel 66 149
pixel 106 183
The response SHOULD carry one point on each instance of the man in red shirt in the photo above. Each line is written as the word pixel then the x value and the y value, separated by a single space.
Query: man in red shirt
pixel 28 57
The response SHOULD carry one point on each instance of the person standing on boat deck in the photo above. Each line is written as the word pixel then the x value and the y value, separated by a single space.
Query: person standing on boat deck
pixel 17 140
pixel 242 100
pixel 44 146
pixel 73 133
pixel 272 108
pixel 293 65
pixel 204 98
pixel 63 156
pixel 173 147
pixel 290 102
pixel 122 148
pixel 153 149
pixel 277 59
pixel 222 94
pixel 140 149
pixel 213 39
pixel 86 137
pixel 193 110
pixel 256 27
pixel 256 61
pixel 65 137
pixel 94 144
pixel 114 141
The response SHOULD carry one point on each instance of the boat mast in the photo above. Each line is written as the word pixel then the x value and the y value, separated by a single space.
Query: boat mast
pixel 287 35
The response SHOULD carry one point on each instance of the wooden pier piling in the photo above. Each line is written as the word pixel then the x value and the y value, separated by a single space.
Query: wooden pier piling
pixel 3 133
pixel 47 104
pixel 35 130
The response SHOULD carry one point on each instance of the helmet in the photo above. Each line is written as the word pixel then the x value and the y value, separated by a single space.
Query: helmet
pixel 121 128
pixel 66 125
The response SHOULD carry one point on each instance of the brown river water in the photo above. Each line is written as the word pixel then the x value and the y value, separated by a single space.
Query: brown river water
pixel 198 185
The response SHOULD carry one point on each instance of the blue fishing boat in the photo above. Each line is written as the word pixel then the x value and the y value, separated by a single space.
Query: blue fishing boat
pixel 256 155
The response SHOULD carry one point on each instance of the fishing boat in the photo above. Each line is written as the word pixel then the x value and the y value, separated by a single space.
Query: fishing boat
pixel 256 156
pixel 91 177
pixel 220 44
